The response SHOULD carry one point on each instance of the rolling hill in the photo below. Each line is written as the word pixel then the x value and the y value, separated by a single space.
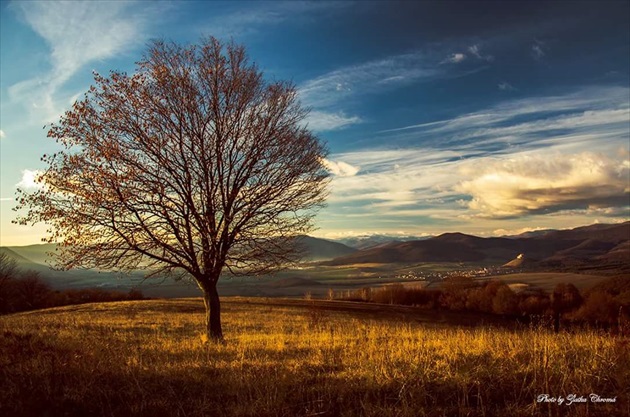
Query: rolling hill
pixel 589 244
pixel 316 249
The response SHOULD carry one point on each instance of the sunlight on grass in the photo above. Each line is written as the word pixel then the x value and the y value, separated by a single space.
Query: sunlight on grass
pixel 149 358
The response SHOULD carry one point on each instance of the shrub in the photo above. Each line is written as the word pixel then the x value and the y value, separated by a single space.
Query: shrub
pixel 505 301
pixel 534 304
pixel 455 292
pixel 598 308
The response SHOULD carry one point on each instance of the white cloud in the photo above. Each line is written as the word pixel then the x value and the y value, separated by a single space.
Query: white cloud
pixel 470 159
pixel 538 50
pixel 475 50
pixel 77 33
pixel 340 168
pixel 514 232
pixel 455 58
pixel 247 22
pixel 505 86
pixel 28 180
pixel 543 182
pixel 320 121
pixel 2 134
pixel 363 78
pixel 577 119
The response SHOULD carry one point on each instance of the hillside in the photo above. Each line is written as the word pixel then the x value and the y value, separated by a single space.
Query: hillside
pixel 596 244
pixel 40 254
pixel 316 249
pixel 19 259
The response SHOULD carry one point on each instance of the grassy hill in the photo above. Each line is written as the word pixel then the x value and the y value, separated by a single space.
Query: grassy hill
pixel 295 358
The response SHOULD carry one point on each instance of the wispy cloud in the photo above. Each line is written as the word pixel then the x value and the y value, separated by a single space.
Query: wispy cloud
pixel 250 21
pixel 475 50
pixel 538 50
pixel 472 51
pixel 520 158
pixel 454 58
pixel 531 122
pixel 505 86
pixel 367 77
pixel 320 121
pixel 77 33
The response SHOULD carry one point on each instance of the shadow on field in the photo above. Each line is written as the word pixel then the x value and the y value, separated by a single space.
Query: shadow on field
pixel 294 358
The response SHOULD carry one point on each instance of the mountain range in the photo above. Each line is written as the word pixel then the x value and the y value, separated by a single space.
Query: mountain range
pixel 604 246
pixel 596 245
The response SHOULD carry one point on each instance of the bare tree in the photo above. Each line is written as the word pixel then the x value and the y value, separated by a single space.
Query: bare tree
pixel 192 165
pixel 8 272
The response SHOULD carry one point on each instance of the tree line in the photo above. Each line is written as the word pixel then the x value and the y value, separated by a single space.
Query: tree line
pixel 607 304
pixel 26 290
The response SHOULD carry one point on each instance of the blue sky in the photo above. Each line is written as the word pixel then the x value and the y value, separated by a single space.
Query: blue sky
pixel 486 118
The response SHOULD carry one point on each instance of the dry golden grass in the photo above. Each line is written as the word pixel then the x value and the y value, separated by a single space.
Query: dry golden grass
pixel 148 358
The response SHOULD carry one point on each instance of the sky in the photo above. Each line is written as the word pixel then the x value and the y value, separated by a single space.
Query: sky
pixel 488 118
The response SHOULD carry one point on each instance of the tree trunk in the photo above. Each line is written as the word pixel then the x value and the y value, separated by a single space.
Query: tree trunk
pixel 213 313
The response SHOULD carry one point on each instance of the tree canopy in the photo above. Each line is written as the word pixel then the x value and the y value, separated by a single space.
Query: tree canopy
pixel 192 165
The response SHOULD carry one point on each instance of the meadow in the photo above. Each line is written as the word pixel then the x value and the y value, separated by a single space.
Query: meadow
pixel 298 358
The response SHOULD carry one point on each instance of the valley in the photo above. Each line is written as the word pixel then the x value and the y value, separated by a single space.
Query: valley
pixel 582 256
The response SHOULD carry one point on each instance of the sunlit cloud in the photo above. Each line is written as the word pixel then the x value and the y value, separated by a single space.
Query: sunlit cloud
pixel 2 134
pixel 517 231
pixel 543 183
pixel 28 180
pixel 522 159
pixel 340 168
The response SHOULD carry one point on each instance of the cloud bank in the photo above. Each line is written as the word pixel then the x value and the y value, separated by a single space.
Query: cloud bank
pixel 544 183
pixel 530 160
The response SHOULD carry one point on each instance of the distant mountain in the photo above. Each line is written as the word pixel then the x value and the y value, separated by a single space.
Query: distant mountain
pixel 38 254
pixel 316 249
pixel 620 253
pixel 19 259
pixel 532 233
pixel 597 232
pixel 583 245
pixel 370 241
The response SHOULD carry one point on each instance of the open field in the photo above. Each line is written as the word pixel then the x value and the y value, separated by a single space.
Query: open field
pixel 297 358
pixel 315 279
pixel 548 280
